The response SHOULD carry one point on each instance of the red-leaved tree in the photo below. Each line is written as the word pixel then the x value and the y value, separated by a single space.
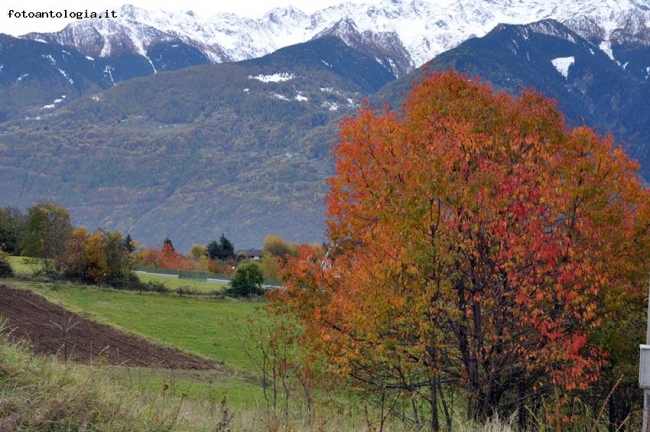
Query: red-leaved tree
pixel 478 243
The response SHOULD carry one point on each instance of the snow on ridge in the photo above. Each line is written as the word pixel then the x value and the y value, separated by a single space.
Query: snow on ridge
pixel 65 75
pixel 606 47
pixel 49 58
pixel 108 70
pixel 562 64
pixel 425 28
pixel 332 106
pixel 276 77
pixel 279 96
pixel 53 105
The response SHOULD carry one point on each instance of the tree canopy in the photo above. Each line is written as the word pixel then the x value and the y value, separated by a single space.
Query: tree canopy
pixel 247 281
pixel 480 243
pixel 275 246
pixel 100 258
pixel 222 249
pixel 48 228
pixel 12 222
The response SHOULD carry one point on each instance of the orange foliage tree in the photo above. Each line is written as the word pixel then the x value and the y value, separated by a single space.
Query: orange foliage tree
pixel 167 257
pixel 479 243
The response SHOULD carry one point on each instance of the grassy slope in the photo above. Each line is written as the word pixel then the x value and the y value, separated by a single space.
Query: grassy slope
pixel 194 385
pixel 36 394
pixel 209 328
pixel 201 326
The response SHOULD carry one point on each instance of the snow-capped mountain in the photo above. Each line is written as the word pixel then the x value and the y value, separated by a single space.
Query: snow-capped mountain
pixel 401 34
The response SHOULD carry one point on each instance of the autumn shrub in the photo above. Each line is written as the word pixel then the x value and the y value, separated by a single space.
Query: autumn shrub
pixel 155 286
pixel 99 258
pixel 167 258
pixel 199 257
pixel 221 267
pixel 271 266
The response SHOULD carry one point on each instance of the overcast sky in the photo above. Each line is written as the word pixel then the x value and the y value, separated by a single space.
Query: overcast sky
pixel 249 8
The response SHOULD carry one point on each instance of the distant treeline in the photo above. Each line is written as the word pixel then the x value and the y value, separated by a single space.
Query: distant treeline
pixel 45 232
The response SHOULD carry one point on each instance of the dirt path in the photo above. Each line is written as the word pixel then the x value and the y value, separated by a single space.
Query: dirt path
pixel 52 330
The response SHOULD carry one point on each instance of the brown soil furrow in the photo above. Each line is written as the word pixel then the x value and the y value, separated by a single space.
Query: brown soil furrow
pixel 53 330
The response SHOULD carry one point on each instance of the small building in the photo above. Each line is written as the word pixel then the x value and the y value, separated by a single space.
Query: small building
pixel 249 254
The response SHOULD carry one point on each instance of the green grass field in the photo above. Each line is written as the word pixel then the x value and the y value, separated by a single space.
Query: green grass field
pixel 205 326
pixel 214 329
pixel 210 328
pixel 174 283
pixel 193 385
pixel 21 266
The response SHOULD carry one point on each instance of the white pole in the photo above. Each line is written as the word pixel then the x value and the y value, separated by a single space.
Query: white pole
pixel 646 392
pixel 645 411
pixel 647 332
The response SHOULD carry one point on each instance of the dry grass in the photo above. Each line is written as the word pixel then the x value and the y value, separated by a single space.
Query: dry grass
pixel 38 394
pixel 44 395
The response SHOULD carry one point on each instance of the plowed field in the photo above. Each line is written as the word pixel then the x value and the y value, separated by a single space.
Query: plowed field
pixel 53 330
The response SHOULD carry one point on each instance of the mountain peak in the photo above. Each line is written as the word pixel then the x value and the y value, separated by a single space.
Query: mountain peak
pixel 128 11
pixel 285 16
pixel 342 28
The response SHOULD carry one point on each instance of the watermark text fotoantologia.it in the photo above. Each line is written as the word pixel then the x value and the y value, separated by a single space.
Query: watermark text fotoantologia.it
pixel 61 14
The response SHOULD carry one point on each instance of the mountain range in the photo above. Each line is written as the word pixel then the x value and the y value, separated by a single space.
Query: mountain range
pixel 401 34
pixel 167 125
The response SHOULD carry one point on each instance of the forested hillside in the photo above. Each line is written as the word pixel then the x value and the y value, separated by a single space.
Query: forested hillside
pixel 241 148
